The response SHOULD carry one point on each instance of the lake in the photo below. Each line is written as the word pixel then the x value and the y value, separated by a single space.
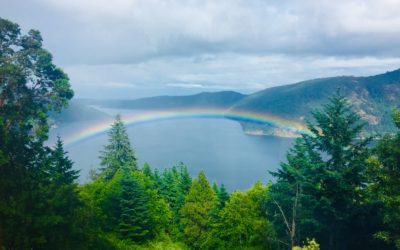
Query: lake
pixel 217 146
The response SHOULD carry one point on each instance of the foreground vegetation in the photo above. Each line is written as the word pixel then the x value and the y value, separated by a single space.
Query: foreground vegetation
pixel 336 190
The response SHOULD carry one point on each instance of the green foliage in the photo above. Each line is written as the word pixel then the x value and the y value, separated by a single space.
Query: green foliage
pixel 134 219
pixel 373 97
pixel 30 86
pixel 195 213
pixel 331 186
pixel 385 182
pixel 173 186
pixel 61 167
pixel 222 195
pixel 311 245
pixel 321 190
pixel 295 195
pixel 242 223
pixel 118 153
pixel 396 117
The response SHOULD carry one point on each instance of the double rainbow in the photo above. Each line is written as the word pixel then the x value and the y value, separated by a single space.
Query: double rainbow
pixel 209 113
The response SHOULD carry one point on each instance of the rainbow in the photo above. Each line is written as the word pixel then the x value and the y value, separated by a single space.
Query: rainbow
pixel 163 115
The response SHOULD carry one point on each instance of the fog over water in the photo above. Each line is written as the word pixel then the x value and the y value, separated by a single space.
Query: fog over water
pixel 217 146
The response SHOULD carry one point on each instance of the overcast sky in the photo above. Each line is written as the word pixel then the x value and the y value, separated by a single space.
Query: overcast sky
pixel 136 48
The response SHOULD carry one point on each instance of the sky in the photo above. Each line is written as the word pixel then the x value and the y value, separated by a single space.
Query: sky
pixel 138 48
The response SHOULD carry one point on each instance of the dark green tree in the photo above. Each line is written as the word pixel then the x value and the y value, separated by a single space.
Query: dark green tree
pixel 337 138
pixel 294 196
pixel 223 196
pixel 30 86
pixel 320 192
pixel 62 199
pixel 118 153
pixel 134 221
pixel 385 184
pixel 61 170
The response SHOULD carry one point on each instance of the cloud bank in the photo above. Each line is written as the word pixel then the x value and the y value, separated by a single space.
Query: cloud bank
pixel 131 48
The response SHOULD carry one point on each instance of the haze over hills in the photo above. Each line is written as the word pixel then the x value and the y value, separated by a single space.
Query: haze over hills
pixel 222 100
pixel 371 97
pixel 78 110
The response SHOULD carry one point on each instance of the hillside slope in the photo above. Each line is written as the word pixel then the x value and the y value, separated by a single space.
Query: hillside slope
pixel 223 99
pixel 372 98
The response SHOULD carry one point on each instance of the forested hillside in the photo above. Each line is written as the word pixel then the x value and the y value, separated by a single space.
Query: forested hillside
pixel 334 191
pixel 372 98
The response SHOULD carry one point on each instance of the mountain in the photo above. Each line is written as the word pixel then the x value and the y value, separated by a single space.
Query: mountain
pixel 223 100
pixel 371 97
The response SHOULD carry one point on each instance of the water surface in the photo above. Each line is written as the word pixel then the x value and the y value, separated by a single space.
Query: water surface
pixel 217 146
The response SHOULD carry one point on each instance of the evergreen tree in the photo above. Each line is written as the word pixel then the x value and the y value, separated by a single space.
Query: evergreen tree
pixel 223 196
pixel 294 196
pixel 118 152
pixel 62 199
pixel 61 170
pixel 385 187
pixel 147 170
pixel 134 221
pixel 195 213
pixel 320 191
pixel 185 179
pixel 337 138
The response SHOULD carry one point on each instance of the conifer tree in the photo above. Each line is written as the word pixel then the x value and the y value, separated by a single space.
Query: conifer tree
pixel 385 184
pixel 134 221
pixel 62 198
pixel 223 196
pixel 337 138
pixel 147 170
pixel 294 196
pixel 321 188
pixel 118 152
pixel 195 213
pixel 61 170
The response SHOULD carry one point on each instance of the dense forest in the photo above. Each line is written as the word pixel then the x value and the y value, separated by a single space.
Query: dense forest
pixel 336 190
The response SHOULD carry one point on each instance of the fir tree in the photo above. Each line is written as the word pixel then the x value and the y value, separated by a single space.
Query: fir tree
pixel 62 199
pixel 61 170
pixel 134 221
pixel 337 138
pixel 195 213
pixel 294 196
pixel 118 152
pixel 384 174
pixel 325 176
pixel 223 196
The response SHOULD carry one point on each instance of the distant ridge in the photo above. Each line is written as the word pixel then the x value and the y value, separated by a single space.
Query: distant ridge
pixel 371 97
pixel 222 99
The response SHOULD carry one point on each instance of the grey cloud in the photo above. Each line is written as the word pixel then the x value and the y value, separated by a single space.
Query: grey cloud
pixel 123 31
pixel 179 46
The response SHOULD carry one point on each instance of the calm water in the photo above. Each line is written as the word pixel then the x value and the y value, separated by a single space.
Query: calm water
pixel 217 146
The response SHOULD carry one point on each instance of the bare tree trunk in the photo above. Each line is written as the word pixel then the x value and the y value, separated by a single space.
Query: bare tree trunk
pixel 291 228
